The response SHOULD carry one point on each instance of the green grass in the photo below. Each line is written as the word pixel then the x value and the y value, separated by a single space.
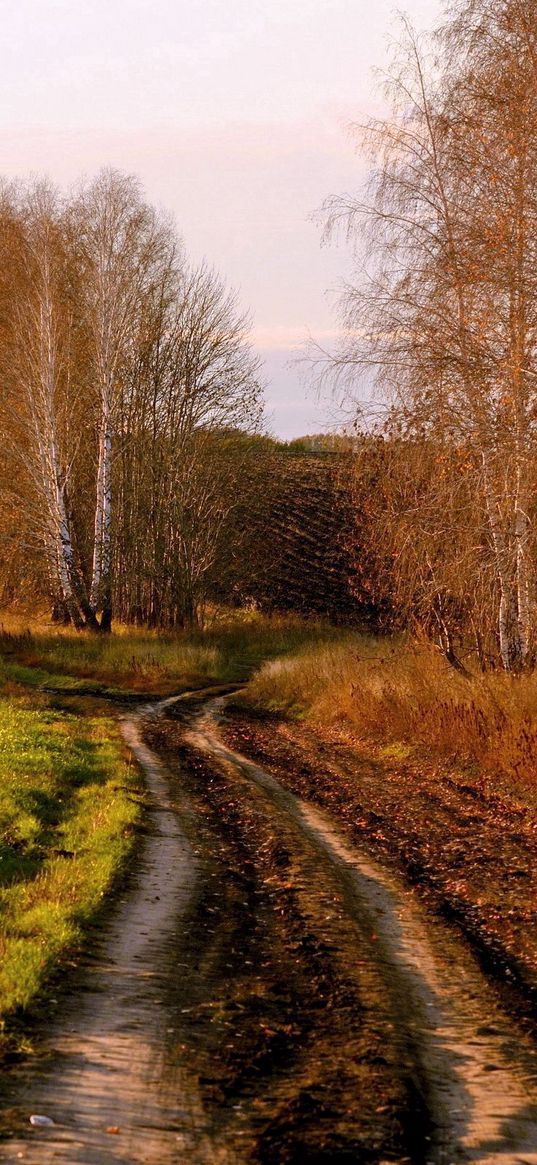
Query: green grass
pixel 69 800
pixel 69 804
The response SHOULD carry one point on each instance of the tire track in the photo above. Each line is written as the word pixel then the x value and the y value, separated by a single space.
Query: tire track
pixel 474 1065
pixel 101 1060
pixel 265 992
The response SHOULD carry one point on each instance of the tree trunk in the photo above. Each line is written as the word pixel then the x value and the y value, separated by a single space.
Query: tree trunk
pixel 101 583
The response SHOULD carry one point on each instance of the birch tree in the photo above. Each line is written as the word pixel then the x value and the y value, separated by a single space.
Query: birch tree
pixel 444 313
pixel 120 244
pixel 124 371
pixel 39 404
pixel 194 381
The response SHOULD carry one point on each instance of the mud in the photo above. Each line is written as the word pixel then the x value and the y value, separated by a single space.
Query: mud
pixel 268 993
pixel 477 1070
pixel 99 1065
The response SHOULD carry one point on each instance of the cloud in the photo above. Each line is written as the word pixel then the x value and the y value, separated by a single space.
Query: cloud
pixel 293 340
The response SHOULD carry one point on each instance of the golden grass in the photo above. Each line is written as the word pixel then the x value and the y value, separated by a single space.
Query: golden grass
pixel 405 697
pixel 141 660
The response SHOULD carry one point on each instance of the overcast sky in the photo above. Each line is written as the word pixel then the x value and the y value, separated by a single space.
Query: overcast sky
pixel 233 113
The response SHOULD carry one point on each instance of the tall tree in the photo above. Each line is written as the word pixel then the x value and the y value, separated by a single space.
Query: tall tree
pixel 38 393
pixel 446 312
pixel 194 380
pixel 120 244
pixel 124 372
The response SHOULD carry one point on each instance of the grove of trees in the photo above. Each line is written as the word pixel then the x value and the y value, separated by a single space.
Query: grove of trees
pixel 442 315
pixel 126 379
pixel 135 478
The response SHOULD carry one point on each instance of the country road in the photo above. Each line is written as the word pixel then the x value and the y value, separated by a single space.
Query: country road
pixel 265 992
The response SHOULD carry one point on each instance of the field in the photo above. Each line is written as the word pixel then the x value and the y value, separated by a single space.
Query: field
pixel 144 661
pixel 403 697
pixel 427 772
pixel 434 768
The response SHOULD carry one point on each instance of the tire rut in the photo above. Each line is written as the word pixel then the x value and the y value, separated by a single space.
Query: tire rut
pixel 266 993
pixel 99 1071
pixel 475 1068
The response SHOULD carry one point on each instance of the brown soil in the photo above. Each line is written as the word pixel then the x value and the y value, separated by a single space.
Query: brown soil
pixel 265 993
pixel 286 1020
pixel 473 1069
pixel 470 851
pixel 229 1012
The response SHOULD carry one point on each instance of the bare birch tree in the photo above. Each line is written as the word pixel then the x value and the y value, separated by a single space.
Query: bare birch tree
pixel 444 315
pixel 120 244
pixel 195 379
pixel 38 398
pixel 123 371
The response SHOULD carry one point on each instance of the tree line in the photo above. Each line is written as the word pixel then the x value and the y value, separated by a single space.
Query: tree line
pixel 134 476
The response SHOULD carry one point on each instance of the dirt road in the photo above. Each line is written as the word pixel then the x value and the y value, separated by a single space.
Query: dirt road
pixel 265 992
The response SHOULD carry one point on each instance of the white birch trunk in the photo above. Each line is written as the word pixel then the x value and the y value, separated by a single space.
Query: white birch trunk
pixel 511 644
pixel 41 388
pixel 102 547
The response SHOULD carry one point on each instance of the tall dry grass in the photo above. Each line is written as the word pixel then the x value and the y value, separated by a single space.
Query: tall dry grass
pixel 405 697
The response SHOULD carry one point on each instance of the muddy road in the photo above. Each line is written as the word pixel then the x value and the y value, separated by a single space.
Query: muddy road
pixel 264 992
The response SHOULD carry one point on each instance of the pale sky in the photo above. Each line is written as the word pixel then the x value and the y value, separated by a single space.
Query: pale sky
pixel 234 115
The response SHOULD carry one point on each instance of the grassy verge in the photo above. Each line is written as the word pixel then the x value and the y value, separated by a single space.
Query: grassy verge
pixel 408 702
pixel 69 804
pixel 143 661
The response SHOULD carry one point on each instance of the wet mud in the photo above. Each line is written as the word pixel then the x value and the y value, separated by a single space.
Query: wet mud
pixel 98 1068
pixel 267 993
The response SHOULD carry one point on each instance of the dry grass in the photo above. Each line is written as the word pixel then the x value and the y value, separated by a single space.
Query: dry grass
pixel 141 660
pixel 406 698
